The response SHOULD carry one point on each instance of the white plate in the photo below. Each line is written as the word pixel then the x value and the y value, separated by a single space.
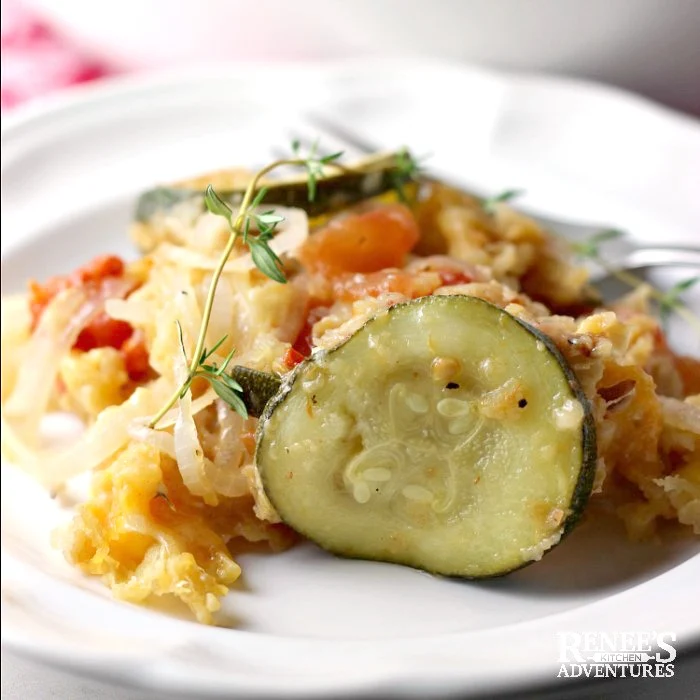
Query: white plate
pixel 307 623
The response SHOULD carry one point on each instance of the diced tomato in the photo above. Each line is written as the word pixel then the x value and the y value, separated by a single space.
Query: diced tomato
pixel 135 356
pixel 450 277
pixel 292 358
pixel 365 242
pixel 304 342
pixel 98 269
pixel 102 331
pixel 41 295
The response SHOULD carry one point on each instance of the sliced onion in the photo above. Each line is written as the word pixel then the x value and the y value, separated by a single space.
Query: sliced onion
pixel 159 439
pixel 136 312
pixel 58 329
pixel 290 326
pixel 224 472
pixel 54 336
pixel 14 334
pixel 188 258
pixel 13 448
pixel 293 231
pixel 189 453
pixel 198 404
pixel 108 434
pixel 230 449
pixel 227 480
pixel 188 450
pixel 221 321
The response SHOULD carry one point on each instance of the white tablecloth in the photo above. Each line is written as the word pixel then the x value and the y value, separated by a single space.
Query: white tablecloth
pixel 26 680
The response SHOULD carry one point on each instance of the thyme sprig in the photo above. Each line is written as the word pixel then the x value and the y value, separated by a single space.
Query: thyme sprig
pixel 407 169
pixel 668 301
pixel 225 386
pixel 671 299
pixel 265 224
pixel 489 204
pixel 255 230
pixel 314 164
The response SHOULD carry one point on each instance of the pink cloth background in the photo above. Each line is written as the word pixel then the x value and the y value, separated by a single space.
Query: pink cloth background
pixel 35 60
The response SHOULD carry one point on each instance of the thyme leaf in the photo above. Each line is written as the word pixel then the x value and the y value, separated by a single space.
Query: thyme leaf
pixel 230 396
pixel 261 194
pixel 489 204
pixel 407 169
pixel 670 301
pixel 590 248
pixel 266 260
pixel 216 205
pixel 226 387
pixel 206 354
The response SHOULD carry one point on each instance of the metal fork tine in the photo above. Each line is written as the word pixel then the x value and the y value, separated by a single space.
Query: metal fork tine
pixel 279 153
pixel 328 141
pixel 341 134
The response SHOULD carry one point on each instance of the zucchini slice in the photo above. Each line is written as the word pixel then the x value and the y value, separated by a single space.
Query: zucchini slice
pixel 445 434
pixel 373 176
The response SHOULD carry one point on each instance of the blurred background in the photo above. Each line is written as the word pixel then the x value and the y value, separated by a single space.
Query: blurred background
pixel 648 46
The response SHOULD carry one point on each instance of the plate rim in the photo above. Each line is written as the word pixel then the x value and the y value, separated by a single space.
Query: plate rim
pixel 123 85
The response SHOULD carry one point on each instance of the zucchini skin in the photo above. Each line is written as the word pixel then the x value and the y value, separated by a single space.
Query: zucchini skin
pixel 372 177
pixel 586 474
pixel 258 388
pixel 161 199
pixel 584 486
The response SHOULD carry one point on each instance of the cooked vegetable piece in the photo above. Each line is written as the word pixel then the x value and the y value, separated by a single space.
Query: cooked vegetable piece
pixel 258 388
pixel 366 242
pixel 445 434
pixel 371 177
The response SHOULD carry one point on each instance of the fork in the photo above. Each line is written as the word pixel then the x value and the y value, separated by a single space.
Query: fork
pixel 621 252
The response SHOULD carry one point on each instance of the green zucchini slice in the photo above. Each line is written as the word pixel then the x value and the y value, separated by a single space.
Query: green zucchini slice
pixel 370 177
pixel 445 434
